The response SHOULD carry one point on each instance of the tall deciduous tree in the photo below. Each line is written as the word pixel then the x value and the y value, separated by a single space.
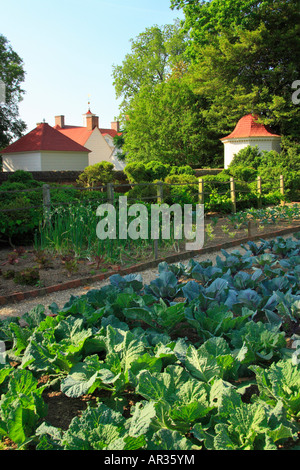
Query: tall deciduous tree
pixel 167 123
pixel 153 55
pixel 12 75
pixel 245 56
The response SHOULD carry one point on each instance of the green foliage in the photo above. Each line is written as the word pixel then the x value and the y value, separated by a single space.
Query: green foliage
pixel 181 170
pixel 19 417
pixel 240 52
pixel 249 157
pixel 196 359
pixel 157 170
pixel 270 166
pixel 12 74
pixel 166 124
pixel 230 59
pixel 243 173
pixel 181 187
pixel 153 54
pixel 21 176
pixel 18 218
pixel 96 175
pixel 145 193
pixel 135 172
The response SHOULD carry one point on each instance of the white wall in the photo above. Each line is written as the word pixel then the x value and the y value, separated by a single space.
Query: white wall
pixel 56 161
pixel 232 147
pixel 29 161
pixel 100 150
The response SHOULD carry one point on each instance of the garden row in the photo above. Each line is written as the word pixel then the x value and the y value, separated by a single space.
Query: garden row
pixel 256 176
pixel 203 357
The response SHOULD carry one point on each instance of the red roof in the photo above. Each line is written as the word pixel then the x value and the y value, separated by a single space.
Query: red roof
pixel 249 127
pixel 81 134
pixel 44 137
pixel 111 132
pixel 78 134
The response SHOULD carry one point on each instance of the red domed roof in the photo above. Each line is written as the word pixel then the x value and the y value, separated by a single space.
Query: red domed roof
pixel 249 127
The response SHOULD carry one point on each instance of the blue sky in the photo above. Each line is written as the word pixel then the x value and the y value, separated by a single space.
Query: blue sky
pixel 69 47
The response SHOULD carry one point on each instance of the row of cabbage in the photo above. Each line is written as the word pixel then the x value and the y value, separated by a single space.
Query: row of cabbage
pixel 203 357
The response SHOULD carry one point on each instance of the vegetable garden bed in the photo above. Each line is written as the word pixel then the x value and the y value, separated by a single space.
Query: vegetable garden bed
pixel 26 268
pixel 203 357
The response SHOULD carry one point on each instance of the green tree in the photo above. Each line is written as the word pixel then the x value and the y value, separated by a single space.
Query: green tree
pixel 154 53
pixel 118 141
pixel 245 56
pixel 167 123
pixel 12 75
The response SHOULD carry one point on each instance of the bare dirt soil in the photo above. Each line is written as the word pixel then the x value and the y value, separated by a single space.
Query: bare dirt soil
pixel 23 269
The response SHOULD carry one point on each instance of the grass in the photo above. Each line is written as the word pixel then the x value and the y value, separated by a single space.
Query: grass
pixel 72 229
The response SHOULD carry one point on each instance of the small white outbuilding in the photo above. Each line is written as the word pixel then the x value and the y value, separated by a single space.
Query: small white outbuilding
pixel 45 149
pixel 249 131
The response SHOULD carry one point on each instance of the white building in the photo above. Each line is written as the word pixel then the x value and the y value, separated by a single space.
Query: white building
pixel 97 139
pixel 63 147
pixel 45 149
pixel 249 132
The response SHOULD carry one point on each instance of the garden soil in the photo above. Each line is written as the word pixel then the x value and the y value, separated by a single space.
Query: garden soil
pixel 61 409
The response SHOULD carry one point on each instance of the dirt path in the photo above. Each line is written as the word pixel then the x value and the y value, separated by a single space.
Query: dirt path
pixel 61 298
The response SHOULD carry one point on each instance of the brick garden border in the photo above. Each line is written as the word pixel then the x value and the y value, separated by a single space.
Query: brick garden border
pixel 19 296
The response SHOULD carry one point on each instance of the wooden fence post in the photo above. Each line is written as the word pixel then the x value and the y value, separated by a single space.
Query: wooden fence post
pixel 232 193
pixel 46 201
pixel 160 192
pixel 282 189
pixel 160 200
pixel 259 191
pixel 110 193
pixel 201 191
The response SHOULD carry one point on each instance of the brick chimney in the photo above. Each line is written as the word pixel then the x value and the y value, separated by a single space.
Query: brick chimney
pixel 60 121
pixel 92 121
pixel 115 126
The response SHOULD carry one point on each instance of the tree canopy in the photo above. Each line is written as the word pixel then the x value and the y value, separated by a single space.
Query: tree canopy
pixel 153 55
pixel 232 57
pixel 166 123
pixel 245 56
pixel 12 75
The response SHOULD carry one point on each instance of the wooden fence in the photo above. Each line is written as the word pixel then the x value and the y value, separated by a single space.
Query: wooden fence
pixel 109 189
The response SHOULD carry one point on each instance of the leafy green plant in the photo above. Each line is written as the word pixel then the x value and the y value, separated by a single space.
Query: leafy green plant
pixel 199 358
pixel 96 175
pixel 29 276
pixel 22 407
pixel 280 384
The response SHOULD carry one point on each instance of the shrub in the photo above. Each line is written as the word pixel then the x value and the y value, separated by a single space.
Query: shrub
pixel 64 194
pixel 249 156
pixel 99 174
pixel 184 191
pixel 21 176
pixel 242 173
pixel 142 193
pixel 182 170
pixel 215 202
pixel 18 220
pixel 136 172
pixel 157 170
pixel 219 183
pixel 270 165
